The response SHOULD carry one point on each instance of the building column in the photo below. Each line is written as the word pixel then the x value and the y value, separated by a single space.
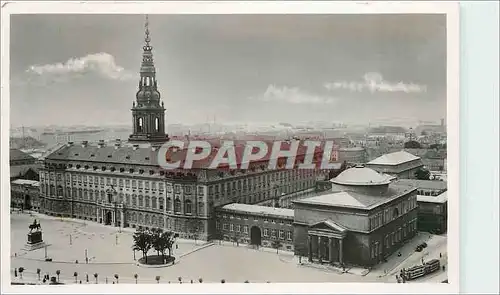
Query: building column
pixel 309 254
pixel 319 247
pixel 341 251
pixel 330 248
pixel 97 215
pixel 122 220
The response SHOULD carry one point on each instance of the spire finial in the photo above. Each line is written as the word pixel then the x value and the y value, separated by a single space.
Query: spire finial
pixel 146 26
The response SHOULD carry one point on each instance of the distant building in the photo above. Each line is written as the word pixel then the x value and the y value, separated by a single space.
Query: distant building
pixel 432 202
pixel 22 165
pixel 352 155
pixel 400 164
pixel 25 194
pixel 361 221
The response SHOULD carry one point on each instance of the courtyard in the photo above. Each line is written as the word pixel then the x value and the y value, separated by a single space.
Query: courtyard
pixel 109 252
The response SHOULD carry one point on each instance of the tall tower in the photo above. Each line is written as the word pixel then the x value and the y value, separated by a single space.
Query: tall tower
pixel 148 112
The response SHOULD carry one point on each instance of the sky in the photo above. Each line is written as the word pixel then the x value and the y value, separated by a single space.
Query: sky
pixel 356 69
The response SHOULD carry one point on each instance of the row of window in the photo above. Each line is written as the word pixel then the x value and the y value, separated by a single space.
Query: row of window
pixel 389 214
pixel 133 200
pixel 75 179
pixel 267 233
pixel 393 238
pixel 265 219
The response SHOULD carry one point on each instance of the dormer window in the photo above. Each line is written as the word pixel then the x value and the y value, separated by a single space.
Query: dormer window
pixel 151 172
pixel 147 158
pixel 122 169
pixel 76 155
pixel 109 156
pixel 127 157
pixel 70 165
pixel 103 168
pixel 78 166
pixel 141 171
pixel 86 167
pixel 131 170
pixel 92 155
pixel 112 169
pixel 95 167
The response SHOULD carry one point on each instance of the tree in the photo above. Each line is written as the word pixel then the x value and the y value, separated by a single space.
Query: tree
pixel 142 242
pixel 135 277
pixel 58 272
pixel 157 279
pixel 423 174
pixel 116 277
pixel 277 245
pixel 38 271
pixel 96 276
pixel 20 270
pixel 163 241
pixel 75 274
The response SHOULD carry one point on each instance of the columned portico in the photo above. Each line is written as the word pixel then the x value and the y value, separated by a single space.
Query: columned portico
pixel 326 242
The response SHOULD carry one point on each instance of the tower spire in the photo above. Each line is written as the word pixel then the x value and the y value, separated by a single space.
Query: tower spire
pixel 148 111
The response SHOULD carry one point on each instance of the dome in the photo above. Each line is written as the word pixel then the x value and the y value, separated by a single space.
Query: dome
pixel 361 176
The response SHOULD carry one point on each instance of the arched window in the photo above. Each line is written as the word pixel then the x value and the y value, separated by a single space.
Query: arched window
pixel 127 199
pixel 141 201
pixel 141 218
pixel 160 201
pixel 153 220
pixel 161 222
pixel 153 203
pixel 148 219
pixel 134 217
pixel 169 204
pixel 134 200
pixel 139 124
pixel 188 208
pixel 157 124
pixel 395 213
pixel 80 193
pixel 200 208
pixel 147 201
pixel 177 205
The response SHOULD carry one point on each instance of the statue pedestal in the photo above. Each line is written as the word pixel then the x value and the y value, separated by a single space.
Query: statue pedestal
pixel 35 241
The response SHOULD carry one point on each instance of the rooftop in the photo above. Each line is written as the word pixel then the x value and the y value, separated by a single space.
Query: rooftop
pixel 144 154
pixel 259 210
pixel 26 182
pixel 361 175
pixel 424 184
pixel 395 158
pixel 442 198
pixel 18 155
pixel 349 199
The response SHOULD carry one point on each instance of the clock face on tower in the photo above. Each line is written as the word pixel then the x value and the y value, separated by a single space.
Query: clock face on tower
pixel 147 94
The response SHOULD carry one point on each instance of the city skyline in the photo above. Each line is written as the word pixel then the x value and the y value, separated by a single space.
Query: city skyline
pixel 251 68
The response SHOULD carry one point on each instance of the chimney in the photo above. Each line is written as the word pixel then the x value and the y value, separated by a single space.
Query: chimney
pixel 101 143
pixel 118 140
pixel 135 147
pixel 154 148
pixel 85 143
pixel 70 143
pixel 117 145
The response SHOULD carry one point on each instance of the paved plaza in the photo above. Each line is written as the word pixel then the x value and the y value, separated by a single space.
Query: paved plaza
pixel 109 252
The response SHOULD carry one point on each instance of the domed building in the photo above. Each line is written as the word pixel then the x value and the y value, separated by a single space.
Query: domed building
pixel 363 219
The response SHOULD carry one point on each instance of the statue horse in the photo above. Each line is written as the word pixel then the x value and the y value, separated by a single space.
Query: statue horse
pixel 35 226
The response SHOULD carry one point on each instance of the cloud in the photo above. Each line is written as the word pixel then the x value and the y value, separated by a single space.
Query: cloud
pixel 292 95
pixel 374 82
pixel 101 64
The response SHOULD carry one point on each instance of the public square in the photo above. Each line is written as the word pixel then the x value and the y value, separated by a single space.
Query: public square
pixel 109 252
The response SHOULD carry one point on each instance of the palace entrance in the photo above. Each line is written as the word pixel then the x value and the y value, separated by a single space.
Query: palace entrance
pixel 108 218
pixel 255 236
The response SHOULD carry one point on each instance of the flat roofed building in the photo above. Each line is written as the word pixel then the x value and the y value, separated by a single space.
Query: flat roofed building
pixel 400 164
pixel 433 213
pixel 256 225
pixel 361 221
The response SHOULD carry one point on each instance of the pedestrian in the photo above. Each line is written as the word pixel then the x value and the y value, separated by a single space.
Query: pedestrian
pixel 86 260
pixel 176 246
pixel 440 255
pixel 444 267
pixel 15 272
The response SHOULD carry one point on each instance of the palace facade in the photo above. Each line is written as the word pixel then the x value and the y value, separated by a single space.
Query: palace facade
pixel 120 183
